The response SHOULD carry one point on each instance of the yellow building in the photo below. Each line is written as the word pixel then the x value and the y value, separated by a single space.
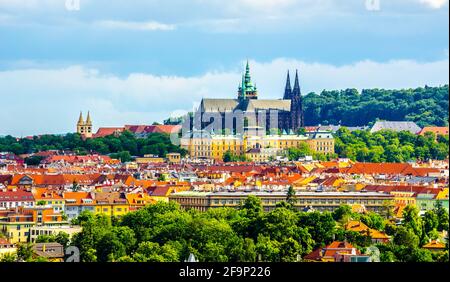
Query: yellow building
pixel 442 195
pixel 149 159
pixel 322 142
pixel 7 248
pixel 111 204
pixel 44 196
pixel 174 158
pixel 404 198
pixel 212 146
pixel 16 224
pixel 255 147
pixel 139 200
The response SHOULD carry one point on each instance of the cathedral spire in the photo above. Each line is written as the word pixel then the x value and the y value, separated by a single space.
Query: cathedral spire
pixel 287 89
pixel 80 119
pixel 247 90
pixel 243 87
pixel 297 115
pixel 296 91
pixel 247 75
pixel 88 119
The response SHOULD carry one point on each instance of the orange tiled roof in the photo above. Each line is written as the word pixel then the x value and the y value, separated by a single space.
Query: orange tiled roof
pixel 382 168
pixel 44 193
pixel 105 131
pixel 77 196
pixel 329 251
pixel 434 244
pixel 360 227
pixel 437 130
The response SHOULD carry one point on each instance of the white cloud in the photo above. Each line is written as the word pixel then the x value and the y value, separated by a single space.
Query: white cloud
pixel 143 26
pixel 49 100
pixel 434 4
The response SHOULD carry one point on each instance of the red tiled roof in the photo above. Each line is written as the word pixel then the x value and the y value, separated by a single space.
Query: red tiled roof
pixel 330 250
pixel 16 196
pixel 402 188
pixel 160 191
pixel 163 129
pixel 105 131
pixel 382 168
pixel 136 128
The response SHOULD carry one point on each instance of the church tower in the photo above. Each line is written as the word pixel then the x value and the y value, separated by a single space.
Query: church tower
pixel 84 128
pixel 287 89
pixel 297 117
pixel 80 124
pixel 247 90
pixel 88 126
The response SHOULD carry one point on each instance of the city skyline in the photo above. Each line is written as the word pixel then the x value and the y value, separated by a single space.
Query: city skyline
pixel 138 64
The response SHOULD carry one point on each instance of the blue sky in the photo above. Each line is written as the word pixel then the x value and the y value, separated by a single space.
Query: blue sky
pixel 141 62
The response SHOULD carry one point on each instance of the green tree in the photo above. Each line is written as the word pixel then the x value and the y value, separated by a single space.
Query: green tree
pixel 24 251
pixel 406 237
pixel 442 214
pixel 290 199
pixel 412 220
pixel 430 221
pixel 343 212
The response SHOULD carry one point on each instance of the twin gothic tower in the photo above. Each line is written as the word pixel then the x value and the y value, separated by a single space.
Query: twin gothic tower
pixel 297 119
pixel 84 127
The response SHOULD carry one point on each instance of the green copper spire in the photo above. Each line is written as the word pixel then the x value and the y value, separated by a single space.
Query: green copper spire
pixel 247 89
pixel 247 74
pixel 243 87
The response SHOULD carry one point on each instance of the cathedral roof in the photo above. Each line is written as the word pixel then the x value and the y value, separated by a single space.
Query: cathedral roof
pixel 283 105
pixel 229 105
pixel 219 105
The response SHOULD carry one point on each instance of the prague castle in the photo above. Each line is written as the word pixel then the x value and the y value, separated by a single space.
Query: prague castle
pixel 285 114
pixel 84 127
pixel 259 129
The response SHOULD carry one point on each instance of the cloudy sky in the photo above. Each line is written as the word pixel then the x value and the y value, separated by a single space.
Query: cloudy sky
pixel 142 62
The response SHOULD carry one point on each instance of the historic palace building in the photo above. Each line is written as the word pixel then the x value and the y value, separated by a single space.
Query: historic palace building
pixel 247 112
pixel 257 148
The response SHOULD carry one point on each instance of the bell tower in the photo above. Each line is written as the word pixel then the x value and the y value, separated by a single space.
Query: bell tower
pixel 84 128
pixel 80 124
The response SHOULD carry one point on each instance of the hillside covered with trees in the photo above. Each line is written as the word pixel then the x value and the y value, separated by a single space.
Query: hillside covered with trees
pixel 123 146
pixel 390 146
pixel 424 105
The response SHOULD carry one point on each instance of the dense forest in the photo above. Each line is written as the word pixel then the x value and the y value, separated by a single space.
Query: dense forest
pixel 424 105
pixel 123 146
pixel 165 233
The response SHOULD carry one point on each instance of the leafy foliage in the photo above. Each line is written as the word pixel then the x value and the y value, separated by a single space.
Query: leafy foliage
pixel 122 147
pixel 389 146
pixel 162 232
pixel 424 105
